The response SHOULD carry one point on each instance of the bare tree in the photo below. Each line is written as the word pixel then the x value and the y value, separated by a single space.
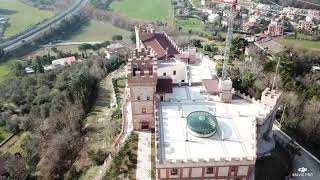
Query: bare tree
pixel 311 123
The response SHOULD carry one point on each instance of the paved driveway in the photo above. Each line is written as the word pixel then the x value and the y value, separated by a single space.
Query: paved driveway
pixel 144 156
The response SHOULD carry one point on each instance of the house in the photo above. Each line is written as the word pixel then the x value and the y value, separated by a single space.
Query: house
pixel 29 70
pixel 214 18
pixel 315 69
pixel 204 129
pixel 307 25
pixel 115 49
pixel 64 61
pixel 275 29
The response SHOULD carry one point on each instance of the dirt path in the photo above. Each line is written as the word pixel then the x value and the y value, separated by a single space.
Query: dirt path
pixel 101 129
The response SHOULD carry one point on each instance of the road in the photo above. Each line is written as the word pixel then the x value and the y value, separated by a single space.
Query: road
pixel 306 160
pixel 34 33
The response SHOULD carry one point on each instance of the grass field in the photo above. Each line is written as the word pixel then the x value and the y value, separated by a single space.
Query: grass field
pixel 149 10
pixel 21 16
pixel 18 147
pixel 307 44
pixel 99 31
pixel 4 134
pixel 5 70
pixel 193 24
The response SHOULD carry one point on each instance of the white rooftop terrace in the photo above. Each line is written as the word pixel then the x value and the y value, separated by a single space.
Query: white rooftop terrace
pixel 235 136
pixel 204 69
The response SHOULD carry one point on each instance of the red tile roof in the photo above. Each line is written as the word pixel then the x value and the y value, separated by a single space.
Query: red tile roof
pixel 211 86
pixel 69 60
pixel 159 43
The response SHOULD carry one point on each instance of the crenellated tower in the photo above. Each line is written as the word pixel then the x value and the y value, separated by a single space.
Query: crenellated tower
pixel 142 81
pixel 143 32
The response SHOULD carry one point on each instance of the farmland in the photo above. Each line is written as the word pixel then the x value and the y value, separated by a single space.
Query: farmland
pixel 99 31
pixel 148 10
pixel 5 70
pixel 190 24
pixel 306 44
pixel 21 16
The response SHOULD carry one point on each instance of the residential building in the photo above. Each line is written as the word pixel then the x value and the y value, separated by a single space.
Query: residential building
pixel 64 61
pixel 275 29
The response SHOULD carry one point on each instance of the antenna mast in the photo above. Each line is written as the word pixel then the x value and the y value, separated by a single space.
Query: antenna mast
pixel 231 16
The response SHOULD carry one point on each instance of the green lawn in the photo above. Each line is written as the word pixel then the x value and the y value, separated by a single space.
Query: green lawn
pixel 5 70
pixel 4 134
pixel 99 31
pixel 18 147
pixel 21 16
pixel 193 24
pixel 149 10
pixel 307 44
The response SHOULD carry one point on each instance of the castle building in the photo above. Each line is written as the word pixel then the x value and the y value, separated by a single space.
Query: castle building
pixel 204 129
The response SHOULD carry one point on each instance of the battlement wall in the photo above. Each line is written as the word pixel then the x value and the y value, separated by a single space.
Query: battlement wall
pixel 172 42
pixel 270 101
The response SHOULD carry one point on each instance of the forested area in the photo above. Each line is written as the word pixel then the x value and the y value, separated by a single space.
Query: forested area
pixel 300 87
pixel 50 106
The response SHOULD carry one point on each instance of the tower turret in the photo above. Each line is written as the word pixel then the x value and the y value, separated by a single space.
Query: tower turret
pixel 142 81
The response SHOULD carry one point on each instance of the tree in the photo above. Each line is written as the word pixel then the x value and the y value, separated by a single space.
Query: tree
pixel 238 47
pixel 311 123
pixel 117 37
pixel 196 43
pixel 97 157
pixel 84 48
pixel 1 52
pixel 133 37
pixel 105 43
pixel 211 49
pixel 18 68
pixel 16 167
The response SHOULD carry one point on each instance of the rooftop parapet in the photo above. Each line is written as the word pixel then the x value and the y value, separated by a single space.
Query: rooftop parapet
pixel 270 97
pixel 269 101
pixel 142 67
pixel 217 161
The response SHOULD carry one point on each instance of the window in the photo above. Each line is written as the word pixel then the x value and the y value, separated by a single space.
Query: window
pixel 174 171
pixel 138 98
pixel 148 98
pixel 144 110
pixel 174 72
pixel 210 170
pixel 164 74
pixel 233 169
